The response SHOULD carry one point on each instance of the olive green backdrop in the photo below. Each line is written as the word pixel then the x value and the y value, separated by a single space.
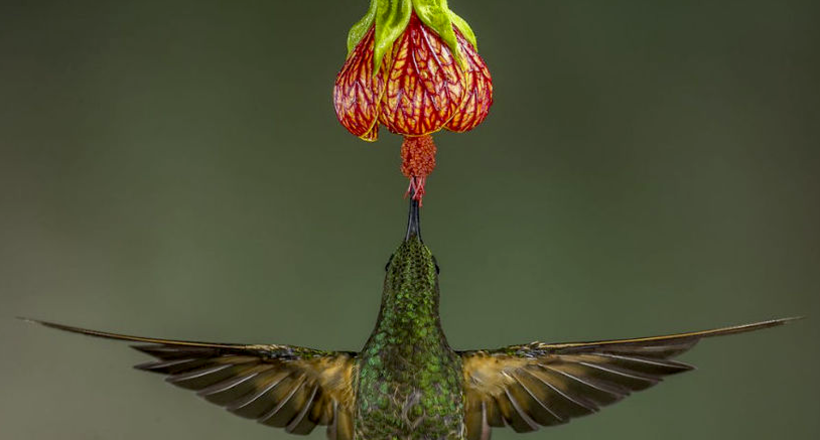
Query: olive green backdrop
pixel 175 169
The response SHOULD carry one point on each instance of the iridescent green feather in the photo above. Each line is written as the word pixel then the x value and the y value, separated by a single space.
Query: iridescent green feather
pixel 410 382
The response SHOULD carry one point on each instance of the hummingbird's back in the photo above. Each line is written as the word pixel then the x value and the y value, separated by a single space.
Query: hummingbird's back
pixel 410 382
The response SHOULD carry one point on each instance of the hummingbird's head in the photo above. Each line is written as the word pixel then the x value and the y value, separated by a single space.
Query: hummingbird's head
pixel 412 266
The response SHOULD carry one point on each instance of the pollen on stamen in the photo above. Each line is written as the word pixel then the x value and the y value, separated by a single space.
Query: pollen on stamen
pixel 418 154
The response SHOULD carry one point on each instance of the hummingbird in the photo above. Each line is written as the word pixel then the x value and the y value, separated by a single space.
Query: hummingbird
pixel 407 382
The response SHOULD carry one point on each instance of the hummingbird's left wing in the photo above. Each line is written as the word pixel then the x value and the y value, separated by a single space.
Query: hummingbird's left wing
pixel 525 386
pixel 282 386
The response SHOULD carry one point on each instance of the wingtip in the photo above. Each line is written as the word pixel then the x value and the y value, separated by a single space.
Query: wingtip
pixel 780 321
pixel 753 326
pixel 792 319
pixel 53 325
pixel 34 321
pixel 82 331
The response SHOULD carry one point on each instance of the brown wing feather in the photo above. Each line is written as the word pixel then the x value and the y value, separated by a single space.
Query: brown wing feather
pixel 278 385
pixel 537 384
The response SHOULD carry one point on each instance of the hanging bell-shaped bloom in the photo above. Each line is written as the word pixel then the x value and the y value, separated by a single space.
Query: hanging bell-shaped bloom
pixel 414 68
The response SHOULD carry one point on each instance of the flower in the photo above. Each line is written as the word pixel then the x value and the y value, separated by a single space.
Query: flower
pixel 413 67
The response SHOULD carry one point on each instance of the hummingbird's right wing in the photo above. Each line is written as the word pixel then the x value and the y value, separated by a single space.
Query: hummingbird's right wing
pixel 277 385
pixel 525 386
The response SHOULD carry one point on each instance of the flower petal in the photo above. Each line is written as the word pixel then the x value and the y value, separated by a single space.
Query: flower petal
pixel 478 98
pixel 424 83
pixel 358 92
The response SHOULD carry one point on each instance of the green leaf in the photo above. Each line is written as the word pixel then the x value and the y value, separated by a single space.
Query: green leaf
pixel 358 31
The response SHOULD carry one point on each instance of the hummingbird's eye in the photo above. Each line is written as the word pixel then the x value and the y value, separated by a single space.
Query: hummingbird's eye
pixel 389 260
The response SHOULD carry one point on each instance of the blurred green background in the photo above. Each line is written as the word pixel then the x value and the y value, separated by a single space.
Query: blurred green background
pixel 175 169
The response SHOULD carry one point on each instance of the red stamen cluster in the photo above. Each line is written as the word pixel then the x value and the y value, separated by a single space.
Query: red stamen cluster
pixel 418 159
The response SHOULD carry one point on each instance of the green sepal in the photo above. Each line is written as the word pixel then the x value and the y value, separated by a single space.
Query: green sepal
pixel 465 29
pixel 359 30
pixel 436 15
pixel 392 17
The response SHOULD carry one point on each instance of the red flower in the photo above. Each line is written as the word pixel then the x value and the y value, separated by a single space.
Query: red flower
pixel 420 87
pixel 415 80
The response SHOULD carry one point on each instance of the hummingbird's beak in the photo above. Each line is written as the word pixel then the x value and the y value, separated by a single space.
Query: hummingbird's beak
pixel 413 221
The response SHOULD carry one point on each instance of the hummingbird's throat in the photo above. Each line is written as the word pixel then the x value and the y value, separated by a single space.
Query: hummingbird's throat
pixel 418 159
